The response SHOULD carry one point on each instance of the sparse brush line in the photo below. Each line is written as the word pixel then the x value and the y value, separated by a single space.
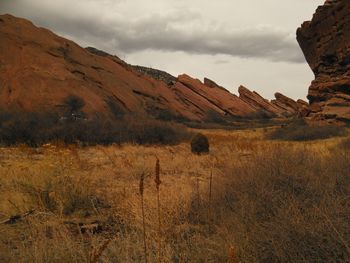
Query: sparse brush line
pixel 158 182
pixel 141 191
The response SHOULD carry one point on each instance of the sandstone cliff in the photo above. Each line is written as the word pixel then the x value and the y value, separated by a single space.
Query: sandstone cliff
pixel 325 43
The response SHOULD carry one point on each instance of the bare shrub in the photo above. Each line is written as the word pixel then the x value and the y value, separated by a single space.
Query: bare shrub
pixel 30 128
pixel 300 131
pixel 62 195
pixel 35 129
pixel 155 132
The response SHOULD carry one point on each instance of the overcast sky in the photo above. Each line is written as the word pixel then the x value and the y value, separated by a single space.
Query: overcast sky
pixel 234 42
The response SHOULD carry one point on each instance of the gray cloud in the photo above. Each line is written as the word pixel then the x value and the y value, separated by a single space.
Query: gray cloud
pixel 266 43
pixel 175 30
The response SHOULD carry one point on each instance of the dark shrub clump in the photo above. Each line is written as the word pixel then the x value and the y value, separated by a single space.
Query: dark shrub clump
pixel 35 129
pixel 200 144
pixel 215 117
pixel 73 105
pixel 300 131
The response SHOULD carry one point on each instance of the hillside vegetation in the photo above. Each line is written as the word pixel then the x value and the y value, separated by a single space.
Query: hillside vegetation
pixel 248 200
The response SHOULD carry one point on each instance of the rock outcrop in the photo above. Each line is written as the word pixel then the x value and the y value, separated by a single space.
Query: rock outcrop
pixel 227 103
pixel 282 106
pixel 39 70
pixel 212 84
pixel 258 102
pixel 156 74
pixel 325 43
pixel 285 103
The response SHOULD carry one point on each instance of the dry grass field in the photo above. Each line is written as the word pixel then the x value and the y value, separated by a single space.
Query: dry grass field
pixel 249 200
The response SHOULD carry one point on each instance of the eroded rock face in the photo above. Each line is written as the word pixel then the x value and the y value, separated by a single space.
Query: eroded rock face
pixel 325 41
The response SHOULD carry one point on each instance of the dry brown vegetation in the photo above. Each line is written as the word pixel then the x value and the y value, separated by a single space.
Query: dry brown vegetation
pixel 248 200
pixel 36 129
pixel 299 130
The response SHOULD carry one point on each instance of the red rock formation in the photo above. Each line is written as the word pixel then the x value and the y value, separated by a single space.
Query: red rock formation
pixel 258 102
pixel 39 70
pixel 212 84
pixel 282 106
pixel 325 43
pixel 303 108
pixel 286 102
pixel 228 103
pixel 302 103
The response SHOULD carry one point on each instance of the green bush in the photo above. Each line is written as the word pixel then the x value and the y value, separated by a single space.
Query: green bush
pixel 200 144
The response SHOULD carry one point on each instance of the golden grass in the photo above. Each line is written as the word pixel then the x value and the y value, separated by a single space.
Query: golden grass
pixel 233 205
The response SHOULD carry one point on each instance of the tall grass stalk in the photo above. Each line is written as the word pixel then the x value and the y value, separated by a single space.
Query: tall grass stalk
pixel 232 255
pixel 158 182
pixel 97 254
pixel 141 190
pixel 209 198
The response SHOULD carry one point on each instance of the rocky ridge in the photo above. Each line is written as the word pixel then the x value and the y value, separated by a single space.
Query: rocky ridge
pixel 39 69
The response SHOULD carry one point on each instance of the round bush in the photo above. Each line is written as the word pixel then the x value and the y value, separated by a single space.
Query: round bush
pixel 200 144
